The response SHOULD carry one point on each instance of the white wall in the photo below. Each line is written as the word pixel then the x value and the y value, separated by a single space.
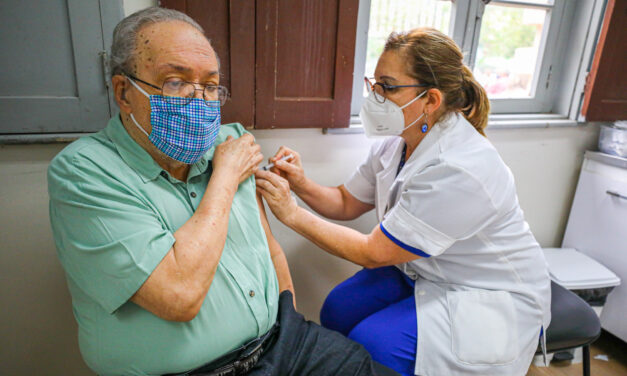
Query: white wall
pixel 38 335
pixel 38 332
pixel 132 6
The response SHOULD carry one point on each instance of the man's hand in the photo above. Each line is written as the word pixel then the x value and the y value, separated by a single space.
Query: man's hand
pixel 239 156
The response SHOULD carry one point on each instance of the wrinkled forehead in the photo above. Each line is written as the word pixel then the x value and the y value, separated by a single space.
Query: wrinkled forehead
pixel 163 45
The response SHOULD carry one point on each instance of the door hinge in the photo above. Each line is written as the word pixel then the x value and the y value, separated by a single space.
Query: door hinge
pixel 105 67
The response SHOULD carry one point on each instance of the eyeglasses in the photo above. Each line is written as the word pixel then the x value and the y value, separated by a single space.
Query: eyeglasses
pixel 173 89
pixel 380 89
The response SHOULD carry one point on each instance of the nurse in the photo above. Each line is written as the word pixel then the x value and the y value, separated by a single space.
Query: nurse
pixel 454 281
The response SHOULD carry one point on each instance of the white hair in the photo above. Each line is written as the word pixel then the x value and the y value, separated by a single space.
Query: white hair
pixel 125 35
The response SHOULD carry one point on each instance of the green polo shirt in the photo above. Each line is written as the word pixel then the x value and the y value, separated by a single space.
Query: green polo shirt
pixel 113 212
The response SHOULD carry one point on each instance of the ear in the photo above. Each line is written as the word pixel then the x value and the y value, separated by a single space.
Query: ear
pixel 435 98
pixel 120 86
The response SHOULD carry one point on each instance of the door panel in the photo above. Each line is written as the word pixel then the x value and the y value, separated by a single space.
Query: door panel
pixel 305 56
pixel 605 97
pixel 53 80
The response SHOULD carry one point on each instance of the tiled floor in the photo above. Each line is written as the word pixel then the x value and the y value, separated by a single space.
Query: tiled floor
pixel 607 344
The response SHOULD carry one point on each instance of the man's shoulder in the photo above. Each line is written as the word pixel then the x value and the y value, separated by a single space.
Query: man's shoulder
pixel 233 129
pixel 87 153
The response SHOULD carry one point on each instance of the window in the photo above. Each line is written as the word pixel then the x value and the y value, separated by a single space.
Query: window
pixel 512 46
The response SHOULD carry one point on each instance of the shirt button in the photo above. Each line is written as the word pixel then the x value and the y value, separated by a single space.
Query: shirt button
pixel 421 292
pixel 193 194
pixel 251 293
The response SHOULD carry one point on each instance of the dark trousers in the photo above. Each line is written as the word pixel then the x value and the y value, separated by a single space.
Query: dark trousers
pixel 305 348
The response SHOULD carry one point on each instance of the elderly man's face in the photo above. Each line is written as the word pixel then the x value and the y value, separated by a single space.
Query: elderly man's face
pixel 169 50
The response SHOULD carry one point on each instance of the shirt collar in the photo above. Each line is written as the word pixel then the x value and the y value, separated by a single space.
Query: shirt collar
pixel 138 158
pixel 442 126
pixel 392 156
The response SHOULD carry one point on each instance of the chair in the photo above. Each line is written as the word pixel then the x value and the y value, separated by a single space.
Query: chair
pixel 573 324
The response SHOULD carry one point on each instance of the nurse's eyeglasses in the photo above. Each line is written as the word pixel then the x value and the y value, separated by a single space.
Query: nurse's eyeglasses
pixel 381 89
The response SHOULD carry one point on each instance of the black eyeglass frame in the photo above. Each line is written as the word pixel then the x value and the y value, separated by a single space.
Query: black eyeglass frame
pixel 385 87
pixel 205 86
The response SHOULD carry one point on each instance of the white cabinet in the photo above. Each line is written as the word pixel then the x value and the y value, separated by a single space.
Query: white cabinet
pixel 597 226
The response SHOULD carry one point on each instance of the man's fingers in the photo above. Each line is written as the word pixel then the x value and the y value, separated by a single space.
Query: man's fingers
pixel 247 137
pixel 257 158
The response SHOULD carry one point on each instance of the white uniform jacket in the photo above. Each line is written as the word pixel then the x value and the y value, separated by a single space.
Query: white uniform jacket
pixel 482 286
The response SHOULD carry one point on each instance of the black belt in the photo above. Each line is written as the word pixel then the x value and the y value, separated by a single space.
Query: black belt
pixel 238 361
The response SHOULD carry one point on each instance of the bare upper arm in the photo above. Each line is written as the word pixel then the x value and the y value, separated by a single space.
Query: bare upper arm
pixel 386 252
pixel 272 243
pixel 353 207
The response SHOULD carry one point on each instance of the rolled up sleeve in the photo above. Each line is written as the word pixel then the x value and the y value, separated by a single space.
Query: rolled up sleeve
pixel 438 206
pixel 362 182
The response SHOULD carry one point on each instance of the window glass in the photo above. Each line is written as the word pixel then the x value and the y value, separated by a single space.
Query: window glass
pixel 507 53
pixel 387 16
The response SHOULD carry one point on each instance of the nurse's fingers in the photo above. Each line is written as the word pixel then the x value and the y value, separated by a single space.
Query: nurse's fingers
pixel 287 167
pixel 274 195
pixel 274 179
pixel 285 151
pixel 264 187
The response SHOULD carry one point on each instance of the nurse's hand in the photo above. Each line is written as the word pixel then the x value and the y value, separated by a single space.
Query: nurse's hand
pixel 276 191
pixel 238 157
pixel 292 169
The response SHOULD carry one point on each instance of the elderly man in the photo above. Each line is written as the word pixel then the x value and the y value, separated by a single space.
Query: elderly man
pixel 168 254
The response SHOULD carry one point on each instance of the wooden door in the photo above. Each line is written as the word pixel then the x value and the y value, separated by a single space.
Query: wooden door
pixel 230 26
pixel 305 57
pixel 287 63
pixel 605 97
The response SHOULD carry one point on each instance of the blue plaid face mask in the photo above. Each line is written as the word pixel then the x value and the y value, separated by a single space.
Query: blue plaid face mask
pixel 184 132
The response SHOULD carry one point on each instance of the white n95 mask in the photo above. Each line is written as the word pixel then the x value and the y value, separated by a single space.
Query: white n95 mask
pixel 384 119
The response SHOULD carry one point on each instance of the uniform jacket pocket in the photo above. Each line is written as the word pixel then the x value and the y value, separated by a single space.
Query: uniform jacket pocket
pixel 483 326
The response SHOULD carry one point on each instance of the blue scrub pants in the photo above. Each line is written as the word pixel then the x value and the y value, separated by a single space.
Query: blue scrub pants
pixel 376 307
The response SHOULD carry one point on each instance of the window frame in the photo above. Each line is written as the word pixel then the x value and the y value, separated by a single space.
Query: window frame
pixel 553 99
pixel 547 66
